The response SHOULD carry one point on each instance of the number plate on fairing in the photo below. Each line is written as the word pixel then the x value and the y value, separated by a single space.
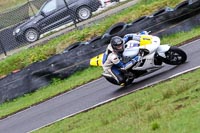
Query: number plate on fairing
pixel 145 40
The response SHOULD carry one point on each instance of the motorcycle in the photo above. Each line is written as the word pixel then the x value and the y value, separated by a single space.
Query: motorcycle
pixel 153 56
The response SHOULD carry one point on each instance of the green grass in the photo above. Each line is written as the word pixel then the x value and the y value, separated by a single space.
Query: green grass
pixel 9 4
pixel 181 37
pixel 170 107
pixel 57 45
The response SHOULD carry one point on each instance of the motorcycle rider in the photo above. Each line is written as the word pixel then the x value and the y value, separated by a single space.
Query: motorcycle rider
pixel 112 59
pixel 112 64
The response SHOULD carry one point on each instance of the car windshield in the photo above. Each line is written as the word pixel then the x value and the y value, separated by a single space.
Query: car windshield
pixel 49 6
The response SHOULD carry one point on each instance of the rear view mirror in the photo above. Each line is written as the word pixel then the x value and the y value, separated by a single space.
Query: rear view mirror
pixel 42 13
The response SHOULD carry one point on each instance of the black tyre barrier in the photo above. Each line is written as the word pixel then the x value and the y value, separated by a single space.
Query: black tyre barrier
pixel 140 20
pixel 159 22
pixel 193 5
pixel 114 30
pixel 185 25
pixel 73 46
pixel 40 74
pixel 94 39
pixel 145 22
pixel 61 66
pixel 162 11
pixel 192 1
pixel 138 24
pixel 182 5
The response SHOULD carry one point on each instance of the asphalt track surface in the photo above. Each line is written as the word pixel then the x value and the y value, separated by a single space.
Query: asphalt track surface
pixel 91 95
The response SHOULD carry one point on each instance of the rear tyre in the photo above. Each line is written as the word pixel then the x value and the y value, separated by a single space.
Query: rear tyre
pixel 84 13
pixel 111 80
pixel 175 56
pixel 129 81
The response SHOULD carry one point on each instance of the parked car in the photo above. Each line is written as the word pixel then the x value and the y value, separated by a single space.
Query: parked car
pixel 52 14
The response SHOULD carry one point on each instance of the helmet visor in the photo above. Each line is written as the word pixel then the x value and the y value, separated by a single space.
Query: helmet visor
pixel 119 47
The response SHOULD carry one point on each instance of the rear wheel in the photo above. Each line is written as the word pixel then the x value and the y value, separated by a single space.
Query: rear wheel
pixel 175 56
pixel 129 81
pixel 84 13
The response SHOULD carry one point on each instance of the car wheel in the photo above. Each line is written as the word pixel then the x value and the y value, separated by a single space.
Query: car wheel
pixel 31 35
pixel 84 13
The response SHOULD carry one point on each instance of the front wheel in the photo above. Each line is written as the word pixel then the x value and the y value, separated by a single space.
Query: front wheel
pixel 175 56
pixel 31 35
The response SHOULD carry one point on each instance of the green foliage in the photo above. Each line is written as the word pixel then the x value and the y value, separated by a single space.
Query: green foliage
pixel 153 115
pixel 168 93
pixel 8 4
pixel 155 126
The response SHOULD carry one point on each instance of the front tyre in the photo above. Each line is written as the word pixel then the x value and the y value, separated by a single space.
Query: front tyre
pixel 31 35
pixel 84 13
pixel 175 56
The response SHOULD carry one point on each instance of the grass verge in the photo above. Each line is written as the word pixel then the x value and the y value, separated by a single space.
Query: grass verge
pixel 170 107
pixel 61 86
pixel 5 5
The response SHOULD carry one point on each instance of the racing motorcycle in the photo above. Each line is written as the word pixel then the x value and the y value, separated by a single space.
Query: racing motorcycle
pixel 153 56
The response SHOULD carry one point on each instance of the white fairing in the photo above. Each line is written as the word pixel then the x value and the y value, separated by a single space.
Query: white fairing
pixel 162 49
pixel 131 49
pixel 131 52
pixel 149 64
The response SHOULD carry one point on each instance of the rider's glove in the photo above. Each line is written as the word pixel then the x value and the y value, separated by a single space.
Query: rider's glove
pixel 136 59
pixel 129 64
pixel 143 33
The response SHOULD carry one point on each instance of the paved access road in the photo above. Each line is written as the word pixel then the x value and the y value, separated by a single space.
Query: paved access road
pixel 90 95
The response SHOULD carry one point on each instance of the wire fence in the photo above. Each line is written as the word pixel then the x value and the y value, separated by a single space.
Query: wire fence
pixel 19 14
pixel 25 24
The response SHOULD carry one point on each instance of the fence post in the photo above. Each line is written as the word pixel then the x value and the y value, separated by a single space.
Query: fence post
pixel 71 14
pixel 31 7
pixel 2 47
